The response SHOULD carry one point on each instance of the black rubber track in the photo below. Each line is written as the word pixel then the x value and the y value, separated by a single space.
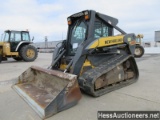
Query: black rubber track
pixel 87 80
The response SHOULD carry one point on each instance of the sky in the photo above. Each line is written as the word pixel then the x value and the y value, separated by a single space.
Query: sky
pixel 49 17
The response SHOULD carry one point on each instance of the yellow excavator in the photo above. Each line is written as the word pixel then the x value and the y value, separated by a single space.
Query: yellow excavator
pixel 91 59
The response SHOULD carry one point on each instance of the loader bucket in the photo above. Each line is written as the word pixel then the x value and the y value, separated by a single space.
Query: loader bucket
pixel 48 91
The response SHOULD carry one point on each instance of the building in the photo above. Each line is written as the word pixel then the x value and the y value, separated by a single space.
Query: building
pixel 47 46
pixel 157 36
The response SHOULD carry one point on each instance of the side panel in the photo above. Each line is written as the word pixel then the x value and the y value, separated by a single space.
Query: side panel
pixel 106 41
pixel 6 48
pixel 130 39
pixel 7 52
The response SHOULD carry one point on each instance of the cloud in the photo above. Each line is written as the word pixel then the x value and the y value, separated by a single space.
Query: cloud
pixel 28 14
pixel 48 18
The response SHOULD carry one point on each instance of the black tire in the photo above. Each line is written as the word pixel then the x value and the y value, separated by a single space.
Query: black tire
pixel 139 51
pixel 17 58
pixel 28 53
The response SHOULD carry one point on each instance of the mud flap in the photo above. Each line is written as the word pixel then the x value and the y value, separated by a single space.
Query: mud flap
pixel 48 91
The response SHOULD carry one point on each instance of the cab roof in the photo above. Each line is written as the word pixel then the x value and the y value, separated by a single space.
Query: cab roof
pixel 15 31
pixel 113 21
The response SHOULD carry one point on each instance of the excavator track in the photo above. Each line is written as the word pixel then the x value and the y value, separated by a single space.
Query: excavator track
pixel 88 80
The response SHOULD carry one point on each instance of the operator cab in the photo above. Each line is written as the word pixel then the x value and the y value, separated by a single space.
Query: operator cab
pixel 15 38
pixel 88 26
pixel 139 38
pixel 84 28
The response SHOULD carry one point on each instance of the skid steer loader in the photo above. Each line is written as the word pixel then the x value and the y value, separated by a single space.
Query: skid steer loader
pixel 92 59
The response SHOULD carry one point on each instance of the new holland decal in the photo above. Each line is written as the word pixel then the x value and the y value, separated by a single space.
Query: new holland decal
pixel 113 41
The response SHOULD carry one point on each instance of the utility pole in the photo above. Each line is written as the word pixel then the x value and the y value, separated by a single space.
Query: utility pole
pixel 46 42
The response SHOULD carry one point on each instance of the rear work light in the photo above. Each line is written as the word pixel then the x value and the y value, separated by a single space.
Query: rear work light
pixel 69 21
pixel 86 15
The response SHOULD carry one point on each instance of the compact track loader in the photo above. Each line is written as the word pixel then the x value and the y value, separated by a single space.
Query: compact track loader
pixel 92 59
